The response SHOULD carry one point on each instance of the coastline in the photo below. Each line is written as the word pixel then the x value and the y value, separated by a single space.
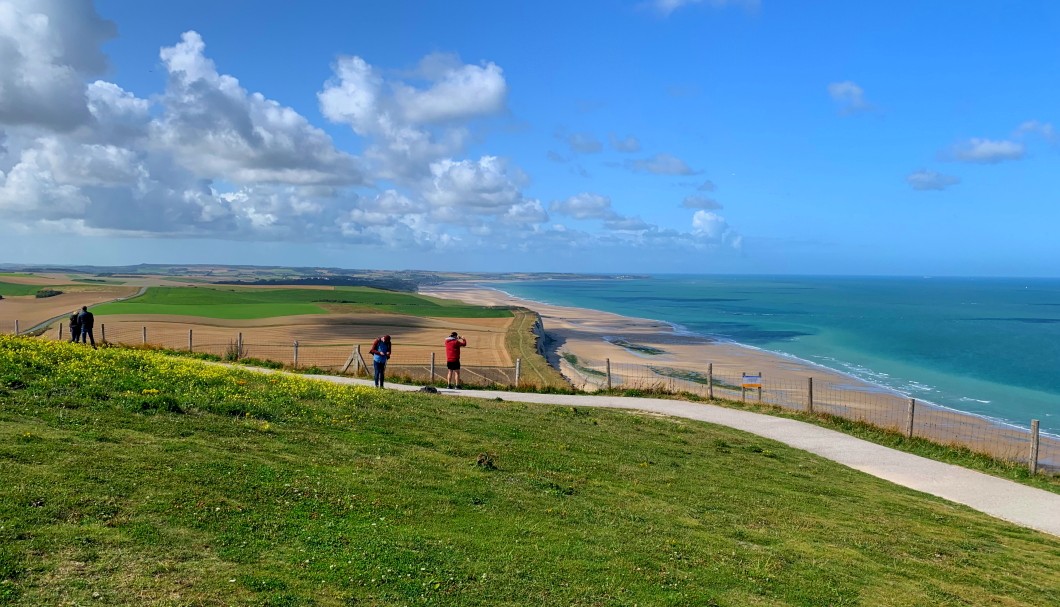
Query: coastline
pixel 589 335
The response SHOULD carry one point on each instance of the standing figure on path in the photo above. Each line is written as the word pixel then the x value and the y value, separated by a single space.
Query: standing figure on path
pixel 75 327
pixel 86 320
pixel 453 343
pixel 381 351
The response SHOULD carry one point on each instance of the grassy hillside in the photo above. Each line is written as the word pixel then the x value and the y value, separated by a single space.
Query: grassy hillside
pixel 131 478
pixel 248 303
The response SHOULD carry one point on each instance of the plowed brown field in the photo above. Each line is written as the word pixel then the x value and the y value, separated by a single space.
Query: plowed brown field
pixel 321 338
pixel 29 310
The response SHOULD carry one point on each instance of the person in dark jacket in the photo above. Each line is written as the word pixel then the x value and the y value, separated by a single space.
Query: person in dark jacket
pixel 381 351
pixel 75 327
pixel 86 320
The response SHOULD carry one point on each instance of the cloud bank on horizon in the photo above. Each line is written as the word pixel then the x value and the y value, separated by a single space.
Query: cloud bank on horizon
pixel 418 156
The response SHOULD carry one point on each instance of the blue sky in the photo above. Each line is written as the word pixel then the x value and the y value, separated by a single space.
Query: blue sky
pixel 762 136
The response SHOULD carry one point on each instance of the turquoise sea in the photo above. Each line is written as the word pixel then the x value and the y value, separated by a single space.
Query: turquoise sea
pixel 988 346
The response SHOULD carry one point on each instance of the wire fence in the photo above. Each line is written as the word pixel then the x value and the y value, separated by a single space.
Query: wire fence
pixel 334 357
pixel 857 402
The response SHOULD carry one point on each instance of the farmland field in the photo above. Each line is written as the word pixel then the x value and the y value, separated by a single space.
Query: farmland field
pixel 20 304
pixel 250 303
pixel 328 322
pixel 10 289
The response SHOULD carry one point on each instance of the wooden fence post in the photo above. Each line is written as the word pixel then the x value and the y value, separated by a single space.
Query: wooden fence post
pixel 909 418
pixel 103 333
pixel 809 395
pixel 432 368
pixel 710 381
pixel 349 361
pixel 608 362
pixel 295 350
pixel 145 334
pixel 239 344
pixel 759 386
pixel 1034 447
pixel 518 363
pixel 60 338
pixel 743 388
pixel 16 328
pixel 190 343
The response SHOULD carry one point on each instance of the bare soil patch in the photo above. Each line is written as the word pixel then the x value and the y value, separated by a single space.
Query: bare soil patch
pixel 43 280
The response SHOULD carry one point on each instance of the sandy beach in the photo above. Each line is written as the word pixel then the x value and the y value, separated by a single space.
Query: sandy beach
pixel 592 335
pixel 648 353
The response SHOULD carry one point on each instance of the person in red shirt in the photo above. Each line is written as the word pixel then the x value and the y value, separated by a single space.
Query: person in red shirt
pixel 453 343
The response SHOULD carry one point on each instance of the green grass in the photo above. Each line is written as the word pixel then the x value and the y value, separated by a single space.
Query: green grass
pixel 692 376
pixel 244 303
pixel 105 281
pixel 951 454
pixel 132 478
pixel 522 343
pixel 573 360
pixel 642 349
pixel 8 289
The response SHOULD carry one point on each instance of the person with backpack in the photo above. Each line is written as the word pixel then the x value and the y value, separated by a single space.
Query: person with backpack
pixel 453 343
pixel 86 320
pixel 381 351
pixel 75 328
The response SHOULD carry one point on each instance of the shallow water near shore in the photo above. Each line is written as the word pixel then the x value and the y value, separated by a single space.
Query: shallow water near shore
pixel 988 346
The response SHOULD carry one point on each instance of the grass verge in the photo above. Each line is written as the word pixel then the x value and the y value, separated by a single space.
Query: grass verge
pixel 951 454
pixel 521 341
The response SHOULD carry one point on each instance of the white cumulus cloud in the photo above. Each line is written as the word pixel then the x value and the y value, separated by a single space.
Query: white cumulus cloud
pixel 849 96
pixel 47 49
pixel 713 228
pixel 660 164
pixel 399 120
pixel 986 151
pixel 665 7
pixel 628 144
pixel 456 92
pixel 700 202
pixel 584 206
pixel 583 143
pixel 930 180
pixel 217 129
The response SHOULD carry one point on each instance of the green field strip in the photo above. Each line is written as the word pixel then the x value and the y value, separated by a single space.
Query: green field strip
pixel 246 311
pixel 10 289
pixel 244 303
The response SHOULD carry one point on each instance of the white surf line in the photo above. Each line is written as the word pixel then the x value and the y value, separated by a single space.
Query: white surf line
pixel 1004 499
